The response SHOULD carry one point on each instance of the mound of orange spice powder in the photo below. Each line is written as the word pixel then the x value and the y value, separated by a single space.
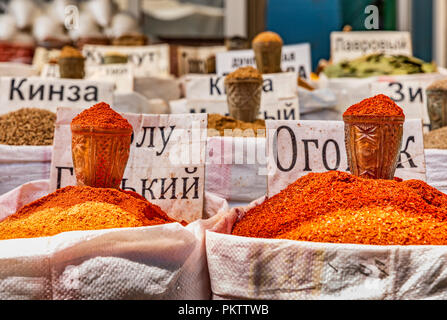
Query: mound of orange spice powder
pixel 379 105
pixel 338 207
pixel 81 208
pixel 102 116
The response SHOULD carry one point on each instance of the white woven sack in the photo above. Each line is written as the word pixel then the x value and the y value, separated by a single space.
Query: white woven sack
pixel 253 268
pixel 21 164
pixel 436 164
pixel 157 262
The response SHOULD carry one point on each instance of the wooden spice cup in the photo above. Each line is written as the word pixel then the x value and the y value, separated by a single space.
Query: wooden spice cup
pixel 72 67
pixel 100 155
pixel 373 144
pixel 267 47
pixel 437 104
pixel 244 98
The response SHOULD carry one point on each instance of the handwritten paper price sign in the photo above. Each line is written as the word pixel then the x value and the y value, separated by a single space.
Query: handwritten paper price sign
pixel 354 44
pixel 166 163
pixel 49 94
pixel 295 58
pixel 148 61
pixel 296 148
pixel 206 94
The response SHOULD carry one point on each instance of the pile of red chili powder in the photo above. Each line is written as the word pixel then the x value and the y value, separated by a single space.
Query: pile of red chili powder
pixel 101 116
pixel 338 207
pixel 380 105
pixel 76 208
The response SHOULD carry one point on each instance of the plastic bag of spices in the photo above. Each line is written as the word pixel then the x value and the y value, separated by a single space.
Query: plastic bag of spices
pixel 243 267
pixel 165 261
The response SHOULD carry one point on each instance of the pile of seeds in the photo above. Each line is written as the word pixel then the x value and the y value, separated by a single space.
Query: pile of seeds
pixel 27 126
pixel 436 139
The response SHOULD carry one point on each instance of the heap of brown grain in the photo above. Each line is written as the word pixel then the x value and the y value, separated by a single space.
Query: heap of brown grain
pixel 27 126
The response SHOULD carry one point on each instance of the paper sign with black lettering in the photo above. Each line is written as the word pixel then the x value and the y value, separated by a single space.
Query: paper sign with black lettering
pixel 295 58
pixel 408 92
pixel 354 44
pixel 206 94
pixel 197 59
pixel 166 163
pixel 148 61
pixel 49 94
pixel 296 148
pixel 121 74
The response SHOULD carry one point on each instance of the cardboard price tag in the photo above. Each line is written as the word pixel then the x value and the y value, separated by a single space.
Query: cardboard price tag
pixel 354 44
pixel 166 163
pixel 121 74
pixel 279 100
pixel 148 61
pixel 408 92
pixel 296 148
pixel 295 58
pixel 49 94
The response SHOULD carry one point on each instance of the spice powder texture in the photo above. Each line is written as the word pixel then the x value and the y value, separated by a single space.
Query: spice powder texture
pixel 338 207
pixel 101 116
pixel 81 208
pixel 379 105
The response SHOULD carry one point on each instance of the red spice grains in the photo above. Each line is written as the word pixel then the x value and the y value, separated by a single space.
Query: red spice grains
pixel 81 208
pixel 380 105
pixel 101 116
pixel 341 208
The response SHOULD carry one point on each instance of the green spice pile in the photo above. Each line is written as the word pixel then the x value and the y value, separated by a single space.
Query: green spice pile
pixel 436 139
pixel 27 126
pixel 377 65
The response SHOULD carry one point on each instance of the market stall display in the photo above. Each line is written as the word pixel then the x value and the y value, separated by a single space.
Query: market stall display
pixel 135 164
